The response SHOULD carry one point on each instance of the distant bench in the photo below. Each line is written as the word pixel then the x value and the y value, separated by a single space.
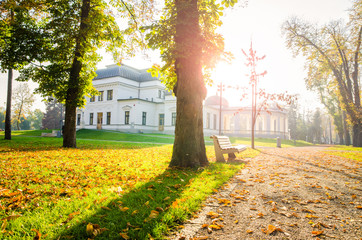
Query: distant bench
pixel 223 145
pixel 52 134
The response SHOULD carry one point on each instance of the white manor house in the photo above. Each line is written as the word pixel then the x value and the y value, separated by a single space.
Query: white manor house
pixel 131 100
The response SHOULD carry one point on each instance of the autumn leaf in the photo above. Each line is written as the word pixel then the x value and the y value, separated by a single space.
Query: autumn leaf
pixel 216 227
pixel 124 235
pixel 166 198
pixel 89 229
pixel 153 214
pixel 11 217
pixel 38 234
pixel 3 225
pixel 105 208
pixel 123 209
pixel 271 229
pixel 310 216
pixel 249 231
pixel 204 225
pixel 236 221
pixel 317 233
pixel 212 215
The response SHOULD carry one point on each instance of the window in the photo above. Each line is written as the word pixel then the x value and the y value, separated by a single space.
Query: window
pixel 78 119
pixel 144 118
pixel 126 117
pixel 173 121
pixel 108 118
pixel 109 94
pixel 208 120
pixel 92 99
pixel 159 93
pixel 215 121
pixel 91 119
pixel 100 97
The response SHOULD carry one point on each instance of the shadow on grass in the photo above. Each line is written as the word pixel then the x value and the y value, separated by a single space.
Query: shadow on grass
pixel 146 211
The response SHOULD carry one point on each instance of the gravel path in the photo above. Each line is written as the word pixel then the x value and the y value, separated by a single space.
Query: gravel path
pixel 288 193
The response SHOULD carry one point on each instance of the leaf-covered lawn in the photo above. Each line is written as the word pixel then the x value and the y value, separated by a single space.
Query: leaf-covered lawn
pixel 102 190
pixel 346 152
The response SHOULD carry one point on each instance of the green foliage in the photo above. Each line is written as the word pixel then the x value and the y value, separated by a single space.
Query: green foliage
pixel 20 34
pixel 161 36
pixel 129 190
pixel 35 118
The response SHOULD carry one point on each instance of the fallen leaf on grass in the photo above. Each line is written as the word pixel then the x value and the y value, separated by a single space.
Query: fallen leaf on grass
pixel 123 209
pixel 153 214
pixel 249 231
pixel 271 229
pixel 38 234
pixel 310 216
pixel 11 217
pixel 93 230
pixel 124 235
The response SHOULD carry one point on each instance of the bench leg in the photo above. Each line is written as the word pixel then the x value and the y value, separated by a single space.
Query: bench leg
pixel 219 156
pixel 232 156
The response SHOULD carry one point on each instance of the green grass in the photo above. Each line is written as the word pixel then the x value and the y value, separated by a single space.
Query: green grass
pixel 350 152
pixel 160 138
pixel 269 142
pixel 113 187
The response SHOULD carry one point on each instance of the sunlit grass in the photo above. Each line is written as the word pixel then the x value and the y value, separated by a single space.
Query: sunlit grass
pixel 269 142
pixel 350 152
pixel 116 188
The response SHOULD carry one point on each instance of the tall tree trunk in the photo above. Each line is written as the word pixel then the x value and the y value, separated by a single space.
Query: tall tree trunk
pixel 347 136
pixel 8 106
pixel 190 90
pixel 341 138
pixel 357 135
pixel 73 92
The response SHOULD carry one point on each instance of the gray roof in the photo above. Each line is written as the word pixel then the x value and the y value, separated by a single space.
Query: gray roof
pixel 125 72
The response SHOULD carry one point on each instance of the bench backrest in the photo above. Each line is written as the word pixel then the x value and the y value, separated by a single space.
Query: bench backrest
pixel 224 142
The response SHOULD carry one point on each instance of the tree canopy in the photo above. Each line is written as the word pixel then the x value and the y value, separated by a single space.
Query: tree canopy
pixel 76 30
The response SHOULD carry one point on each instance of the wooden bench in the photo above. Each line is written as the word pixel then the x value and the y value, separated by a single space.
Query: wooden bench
pixel 223 145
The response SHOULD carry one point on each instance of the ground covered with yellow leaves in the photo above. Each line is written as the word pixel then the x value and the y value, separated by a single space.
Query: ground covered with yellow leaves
pixel 290 193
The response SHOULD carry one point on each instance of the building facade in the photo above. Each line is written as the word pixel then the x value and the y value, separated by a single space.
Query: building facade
pixel 131 100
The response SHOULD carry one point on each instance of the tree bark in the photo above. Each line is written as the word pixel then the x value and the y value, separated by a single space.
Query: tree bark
pixel 73 92
pixel 8 106
pixel 357 135
pixel 347 136
pixel 189 146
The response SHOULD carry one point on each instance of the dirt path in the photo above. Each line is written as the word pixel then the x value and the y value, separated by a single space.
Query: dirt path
pixel 288 193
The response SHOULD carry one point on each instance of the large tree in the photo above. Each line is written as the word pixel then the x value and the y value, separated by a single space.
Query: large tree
pixel 77 29
pixel 189 46
pixel 321 80
pixel 338 46
pixel 23 99
pixel 54 115
pixel 20 40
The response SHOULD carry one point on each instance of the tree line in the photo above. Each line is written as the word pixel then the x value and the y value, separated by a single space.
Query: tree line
pixel 333 61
